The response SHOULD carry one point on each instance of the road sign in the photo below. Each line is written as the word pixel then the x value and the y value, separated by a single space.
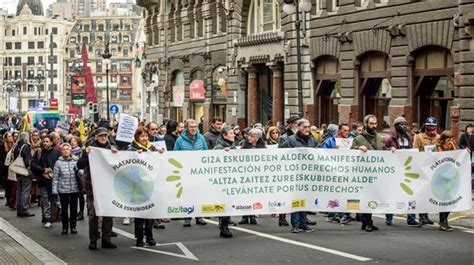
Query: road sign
pixel 53 103
pixel 114 109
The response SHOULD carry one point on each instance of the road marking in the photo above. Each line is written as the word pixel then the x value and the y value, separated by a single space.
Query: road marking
pixel 187 254
pixel 44 255
pixel 463 229
pixel 294 242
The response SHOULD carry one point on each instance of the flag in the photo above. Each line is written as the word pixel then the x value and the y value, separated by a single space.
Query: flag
pixel 82 131
pixel 26 122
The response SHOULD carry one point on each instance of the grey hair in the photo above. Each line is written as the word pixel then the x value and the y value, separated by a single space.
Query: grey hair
pixel 332 128
pixel 188 121
pixel 66 144
pixel 301 122
pixel 24 137
pixel 368 117
pixel 256 133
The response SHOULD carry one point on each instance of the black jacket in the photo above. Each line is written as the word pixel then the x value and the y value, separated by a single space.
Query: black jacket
pixel 83 163
pixel 466 141
pixel 211 137
pixel 260 144
pixel 25 153
pixel 170 140
pixel 44 158
pixel 298 140
pixel 134 147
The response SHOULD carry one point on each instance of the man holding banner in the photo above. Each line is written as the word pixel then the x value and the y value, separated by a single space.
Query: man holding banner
pixel 369 139
pixel 100 141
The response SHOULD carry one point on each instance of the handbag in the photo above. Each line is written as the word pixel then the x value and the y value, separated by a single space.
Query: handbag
pixel 18 166
pixel 9 158
pixel 79 179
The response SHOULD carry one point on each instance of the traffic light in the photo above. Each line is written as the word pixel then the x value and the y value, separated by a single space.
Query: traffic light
pixel 95 108
pixel 90 105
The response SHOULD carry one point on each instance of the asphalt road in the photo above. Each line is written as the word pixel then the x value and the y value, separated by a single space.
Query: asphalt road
pixel 265 243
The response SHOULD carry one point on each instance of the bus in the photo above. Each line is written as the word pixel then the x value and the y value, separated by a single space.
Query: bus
pixel 40 120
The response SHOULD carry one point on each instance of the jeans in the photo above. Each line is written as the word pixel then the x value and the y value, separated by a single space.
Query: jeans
pixel 411 217
pixel 46 198
pixel 68 202
pixel 298 219
pixel 139 223
pixel 23 190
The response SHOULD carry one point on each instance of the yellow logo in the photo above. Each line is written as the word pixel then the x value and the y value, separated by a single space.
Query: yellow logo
pixel 298 203
pixel 213 208
pixel 353 205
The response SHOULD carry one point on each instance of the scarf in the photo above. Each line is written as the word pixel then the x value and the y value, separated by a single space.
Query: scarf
pixel 147 147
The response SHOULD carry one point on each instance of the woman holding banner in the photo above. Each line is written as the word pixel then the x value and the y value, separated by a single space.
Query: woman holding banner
pixel 141 143
pixel 445 143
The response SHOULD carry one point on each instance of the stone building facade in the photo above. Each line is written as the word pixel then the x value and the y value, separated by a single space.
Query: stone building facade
pixel 94 32
pixel 25 59
pixel 386 57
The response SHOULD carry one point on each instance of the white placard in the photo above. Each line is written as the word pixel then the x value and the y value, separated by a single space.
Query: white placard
pixel 158 144
pixel 344 143
pixel 126 128
pixel 430 148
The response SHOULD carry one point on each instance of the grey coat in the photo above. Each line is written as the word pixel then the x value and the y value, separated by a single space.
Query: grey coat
pixel 64 176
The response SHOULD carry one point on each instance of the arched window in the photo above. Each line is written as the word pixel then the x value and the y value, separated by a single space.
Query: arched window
pixel 264 16
pixel 327 89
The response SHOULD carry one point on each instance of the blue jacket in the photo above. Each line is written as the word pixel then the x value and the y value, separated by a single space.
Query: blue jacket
pixel 330 143
pixel 184 143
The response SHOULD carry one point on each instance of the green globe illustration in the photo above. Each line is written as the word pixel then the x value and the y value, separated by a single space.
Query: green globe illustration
pixel 446 182
pixel 133 185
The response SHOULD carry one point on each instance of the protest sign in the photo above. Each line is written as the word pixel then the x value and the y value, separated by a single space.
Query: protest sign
pixel 126 128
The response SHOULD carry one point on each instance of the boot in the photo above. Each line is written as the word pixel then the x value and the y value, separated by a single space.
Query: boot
pixel 65 230
pixel 150 242
pixel 282 220
pixel 139 243
pixel 225 232
pixel 80 216
pixel 108 244
pixel 253 221
pixel 244 221
pixel 93 245
pixel 200 221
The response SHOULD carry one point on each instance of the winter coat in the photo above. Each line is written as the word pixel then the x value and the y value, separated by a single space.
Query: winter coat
pixel 296 140
pixel 83 163
pixel 135 147
pixel 185 143
pixel 422 139
pixel 467 141
pixel 44 158
pixel 64 176
pixel 372 142
pixel 25 153
pixel 247 145
pixel 222 143
pixel 392 141
pixel 170 139
pixel 330 142
pixel 211 137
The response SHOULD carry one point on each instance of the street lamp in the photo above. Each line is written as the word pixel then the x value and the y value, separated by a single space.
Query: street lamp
pixel 106 56
pixel 295 7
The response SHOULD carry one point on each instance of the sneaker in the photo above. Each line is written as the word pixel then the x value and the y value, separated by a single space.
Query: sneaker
pixel 306 229
pixel 332 220
pixel 200 221
pixel 345 220
pixel 47 225
pixel 412 222
pixel 150 242
pixel 295 230
pixel 446 228
pixel 126 221
pixel 309 222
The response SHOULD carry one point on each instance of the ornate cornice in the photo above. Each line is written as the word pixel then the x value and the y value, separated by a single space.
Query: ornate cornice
pixel 268 37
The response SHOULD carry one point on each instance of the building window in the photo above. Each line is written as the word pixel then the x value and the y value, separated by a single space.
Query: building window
pixel 362 3
pixel 113 65
pixel 126 38
pixel 55 59
pixel 17 60
pixel 8 45
pixel 332 5
pixel 125 52
pixel 40 60
pixel 31 45
pixel 25 31
pixel 73 40
pixel 264 16
pixel 31 60
pixel 55 87
pixel 54 31
pixel 72 53
pixel 36 31
pixel 101 27
pixel 40 45
pixel 13 32
pixel 125 66
pixel 98 68
pixel 87 28
pixel 316 7
pixel 17 45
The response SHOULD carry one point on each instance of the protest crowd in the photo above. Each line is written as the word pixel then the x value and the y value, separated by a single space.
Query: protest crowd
pixel 50 168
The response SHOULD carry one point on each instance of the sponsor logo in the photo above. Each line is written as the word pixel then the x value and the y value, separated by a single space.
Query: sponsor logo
pixel 257 206
pixel 213 208
pixel 275 204
pixel 298 203
pixel 353 204
pixel 332 204
pixel 181 209
pixel 373 205
pixel 242 207
pixel 446 182
pixel 409 176
pixel 411 205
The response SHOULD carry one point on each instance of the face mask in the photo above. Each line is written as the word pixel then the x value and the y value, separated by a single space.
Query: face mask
pixel 400 129
pixel 431 129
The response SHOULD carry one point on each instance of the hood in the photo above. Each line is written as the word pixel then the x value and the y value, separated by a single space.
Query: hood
pixel 185 136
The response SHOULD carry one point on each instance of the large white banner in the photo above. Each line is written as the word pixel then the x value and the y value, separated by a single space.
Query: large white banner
pixel 264 181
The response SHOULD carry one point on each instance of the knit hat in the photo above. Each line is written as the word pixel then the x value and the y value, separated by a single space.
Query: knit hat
pixel 399 120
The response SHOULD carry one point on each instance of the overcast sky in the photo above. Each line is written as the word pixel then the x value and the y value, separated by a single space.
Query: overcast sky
pixel 11 4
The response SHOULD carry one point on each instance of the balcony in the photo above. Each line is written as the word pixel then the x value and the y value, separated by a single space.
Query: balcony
pixel 125 98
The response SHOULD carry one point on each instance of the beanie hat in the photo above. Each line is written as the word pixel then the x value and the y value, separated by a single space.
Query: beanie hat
pixel 399 120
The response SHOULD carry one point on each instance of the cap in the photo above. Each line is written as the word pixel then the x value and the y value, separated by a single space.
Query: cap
pixel 399 120
pixel 101 130
pixel 292 119
pixel 431 121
